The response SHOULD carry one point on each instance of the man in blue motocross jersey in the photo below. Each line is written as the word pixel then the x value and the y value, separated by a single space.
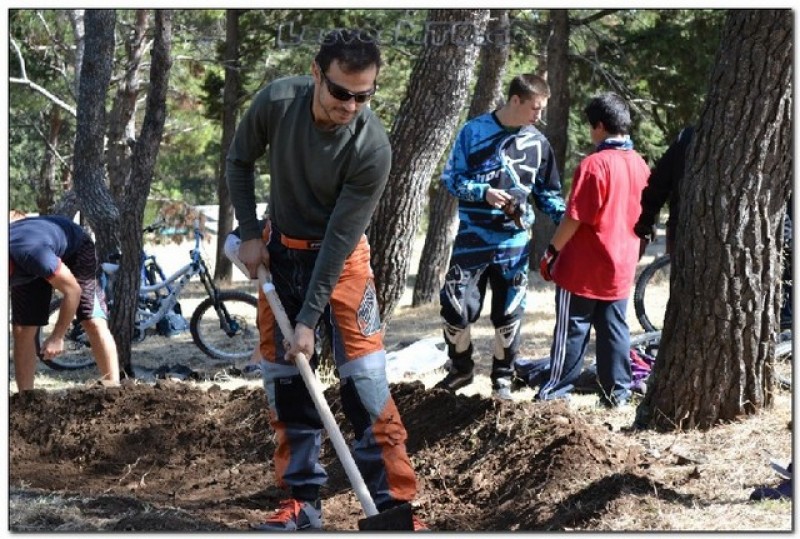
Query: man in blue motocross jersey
pixel 500 164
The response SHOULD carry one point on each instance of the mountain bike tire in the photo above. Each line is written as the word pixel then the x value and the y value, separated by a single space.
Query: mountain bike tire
pixel 207 330
pixel 76 355
pixel 656 271
pixel 647 343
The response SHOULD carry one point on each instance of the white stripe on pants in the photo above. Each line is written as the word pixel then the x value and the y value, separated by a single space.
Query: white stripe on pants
pixel 559 340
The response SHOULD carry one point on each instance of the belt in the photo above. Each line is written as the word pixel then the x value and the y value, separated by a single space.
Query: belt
pixel 303 245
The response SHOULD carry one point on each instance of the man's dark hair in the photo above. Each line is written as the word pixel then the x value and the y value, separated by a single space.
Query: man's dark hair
pixel 356 50
pixel 612 110
pixel 527 85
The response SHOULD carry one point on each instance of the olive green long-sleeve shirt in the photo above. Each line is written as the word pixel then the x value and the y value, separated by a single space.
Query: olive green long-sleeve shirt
pixel 323 184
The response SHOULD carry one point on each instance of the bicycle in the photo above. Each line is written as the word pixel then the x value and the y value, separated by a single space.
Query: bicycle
pixel 223 326
pixel 651 293
pixel 650 303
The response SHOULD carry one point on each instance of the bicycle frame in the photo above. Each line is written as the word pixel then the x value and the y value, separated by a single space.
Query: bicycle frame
pixel 146 319
pixel 173 285
pixel 221 325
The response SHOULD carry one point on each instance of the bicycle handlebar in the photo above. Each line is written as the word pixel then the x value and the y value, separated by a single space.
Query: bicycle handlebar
pixel 115 256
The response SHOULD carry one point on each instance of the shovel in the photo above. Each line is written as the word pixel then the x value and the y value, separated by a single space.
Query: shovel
pixel 396 518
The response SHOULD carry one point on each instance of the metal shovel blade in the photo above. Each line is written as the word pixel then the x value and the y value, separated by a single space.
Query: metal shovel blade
pixel 397 518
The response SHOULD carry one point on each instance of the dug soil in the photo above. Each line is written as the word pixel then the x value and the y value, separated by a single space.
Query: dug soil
pixel 173 457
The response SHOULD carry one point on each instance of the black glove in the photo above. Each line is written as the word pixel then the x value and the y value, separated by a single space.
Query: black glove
pixel 547 261
pixel 645 232
pixel 519 208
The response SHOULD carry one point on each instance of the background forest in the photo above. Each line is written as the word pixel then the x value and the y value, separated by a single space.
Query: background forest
pixel 658 59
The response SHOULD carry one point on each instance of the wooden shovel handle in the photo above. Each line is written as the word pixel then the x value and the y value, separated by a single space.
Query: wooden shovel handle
pixel 317 395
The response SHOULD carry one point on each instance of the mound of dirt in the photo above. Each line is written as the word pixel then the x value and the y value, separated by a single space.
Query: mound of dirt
pixel 172 457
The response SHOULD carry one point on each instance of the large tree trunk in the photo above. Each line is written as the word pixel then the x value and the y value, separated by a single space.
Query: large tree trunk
pixel 112 224
pixel 557 121
pixel 230 99
pixel 93 197
pixel 121 133
pixel 422 130
pixel 557 66
pixel 137 188
pixel 442 228
pixel 717 346
pixel 443 208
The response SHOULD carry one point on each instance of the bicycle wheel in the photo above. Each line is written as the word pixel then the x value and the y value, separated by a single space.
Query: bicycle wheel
pixel 76 354
pixel 651 293
pixel 208 329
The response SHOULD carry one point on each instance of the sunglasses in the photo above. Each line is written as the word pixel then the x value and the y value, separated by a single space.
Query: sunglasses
pixel 343 94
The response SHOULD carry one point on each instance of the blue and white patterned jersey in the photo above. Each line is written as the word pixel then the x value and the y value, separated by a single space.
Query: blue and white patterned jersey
pixel 485 155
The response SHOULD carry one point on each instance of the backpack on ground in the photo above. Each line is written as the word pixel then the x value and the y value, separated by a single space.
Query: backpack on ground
pixel 535 372
pixel 173 322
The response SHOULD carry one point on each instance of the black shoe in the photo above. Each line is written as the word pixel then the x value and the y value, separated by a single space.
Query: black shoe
pixel 611 404
pixel 782 491
pixel 455 380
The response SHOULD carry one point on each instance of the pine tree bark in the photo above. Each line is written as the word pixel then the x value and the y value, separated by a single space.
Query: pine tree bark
pixel 93 197
pixel 121 134
pixel 424 125
pixel 717 346
pixel 137 188
pixel 120 222
pixel 558 66
pixel 443 207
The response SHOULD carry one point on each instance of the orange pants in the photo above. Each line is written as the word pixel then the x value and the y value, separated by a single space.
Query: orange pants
pixel 357 340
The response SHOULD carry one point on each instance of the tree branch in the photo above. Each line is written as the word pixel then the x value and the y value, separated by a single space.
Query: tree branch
pixel 52 148
pixel 29 83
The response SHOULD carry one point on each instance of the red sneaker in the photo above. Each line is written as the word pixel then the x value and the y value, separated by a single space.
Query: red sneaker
pixel 294 515
pixel 419 526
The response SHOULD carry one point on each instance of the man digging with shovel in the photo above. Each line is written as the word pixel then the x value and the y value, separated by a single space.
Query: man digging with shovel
pixel 329 160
